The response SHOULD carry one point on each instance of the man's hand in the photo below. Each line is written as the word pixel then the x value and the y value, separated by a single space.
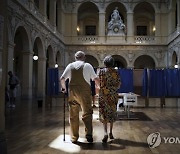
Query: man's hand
pixel 63 90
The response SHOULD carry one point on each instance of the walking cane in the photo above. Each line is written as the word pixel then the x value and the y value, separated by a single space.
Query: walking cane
pixel 64 112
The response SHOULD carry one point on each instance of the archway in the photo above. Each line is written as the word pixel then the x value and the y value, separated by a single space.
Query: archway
pixel 144 19
pixel 88 19
pixel 174 60
pixel 92 60
pixel 120 62
pixel 20 63
pixel 144 61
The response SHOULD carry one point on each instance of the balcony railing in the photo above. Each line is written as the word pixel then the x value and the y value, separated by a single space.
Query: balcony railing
pixel 88 39
pixel 144 39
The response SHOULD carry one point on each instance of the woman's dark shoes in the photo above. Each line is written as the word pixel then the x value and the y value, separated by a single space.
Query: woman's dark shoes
pixel 111 136
pixel 89 138
pixel 104 140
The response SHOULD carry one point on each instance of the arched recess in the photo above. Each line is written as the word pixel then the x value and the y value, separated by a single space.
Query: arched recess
pixel 20 64
pixel 38 68
pixel 144 19
pixel 88 19
pixel 121 9
pixel 120 62
pixel 92 60
pixel 174 61
pixel 144 61
pixel 50 63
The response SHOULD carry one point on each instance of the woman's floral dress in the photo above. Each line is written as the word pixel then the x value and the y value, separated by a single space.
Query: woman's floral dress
pixel 108 96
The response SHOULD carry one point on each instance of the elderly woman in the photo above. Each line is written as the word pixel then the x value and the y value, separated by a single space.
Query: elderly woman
pixel 108 97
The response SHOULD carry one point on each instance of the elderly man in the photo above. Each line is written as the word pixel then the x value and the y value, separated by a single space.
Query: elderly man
pixel 79 74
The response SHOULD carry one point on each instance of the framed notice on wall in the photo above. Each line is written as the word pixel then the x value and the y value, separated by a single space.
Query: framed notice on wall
pixel 1 31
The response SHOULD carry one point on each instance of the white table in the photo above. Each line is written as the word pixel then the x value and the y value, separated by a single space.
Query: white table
pixel 128 99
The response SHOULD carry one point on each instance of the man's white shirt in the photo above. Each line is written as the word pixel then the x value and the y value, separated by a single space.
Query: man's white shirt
pixel 88 71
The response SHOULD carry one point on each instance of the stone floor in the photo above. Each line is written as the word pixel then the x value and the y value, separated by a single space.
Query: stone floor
pixel 33 130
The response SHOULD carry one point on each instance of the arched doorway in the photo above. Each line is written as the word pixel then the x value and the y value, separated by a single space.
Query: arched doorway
pixel 144 61
pixel 21 62
pixel 174 60
pixel 144 19
pixel 88 19
pixel 119 61
pixel 92 60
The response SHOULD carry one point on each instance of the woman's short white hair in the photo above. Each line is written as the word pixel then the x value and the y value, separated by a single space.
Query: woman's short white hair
pixel 79 55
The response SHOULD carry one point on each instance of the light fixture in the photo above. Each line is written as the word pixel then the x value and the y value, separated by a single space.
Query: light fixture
pixel 35 57
pixel 154 29
pixel 176 66
pixel 78 29
pixel 56 65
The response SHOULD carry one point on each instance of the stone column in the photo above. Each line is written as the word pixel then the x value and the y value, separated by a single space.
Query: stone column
pixel 178 16
pixel 101 26
pixel 59 12
pixel 171 21
pixel 11 56
pixel 51 64
pixel 74 24
pixel 27 74
pixel 158 27
pixel 41 77
pixel 31 4
pixel 130 27
pixel 3 72
pixel 42 8
pixel 53 12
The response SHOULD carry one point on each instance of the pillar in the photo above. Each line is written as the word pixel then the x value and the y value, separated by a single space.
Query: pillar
pixel 178 16
pixel 158 27
pixel 41 77
pixel 101 27
pixel 130 27
pixel 171 21
pixel 53 12
pixel 11 56
pixel 27 74
pixel 74 24
pixel 42 8
pixel 31 4
pixel 59 12
pixel 3 72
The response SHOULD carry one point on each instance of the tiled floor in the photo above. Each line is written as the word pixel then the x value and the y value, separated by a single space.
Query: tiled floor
pixel 33 130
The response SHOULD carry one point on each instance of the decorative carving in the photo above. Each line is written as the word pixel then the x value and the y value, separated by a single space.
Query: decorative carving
pixel 115 25
pixel 130 55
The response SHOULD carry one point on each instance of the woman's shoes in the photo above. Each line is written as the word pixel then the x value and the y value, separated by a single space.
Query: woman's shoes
pixel 111 136
pixel 104 140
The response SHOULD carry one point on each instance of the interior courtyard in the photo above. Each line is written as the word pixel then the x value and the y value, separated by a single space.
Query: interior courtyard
pixel 40 36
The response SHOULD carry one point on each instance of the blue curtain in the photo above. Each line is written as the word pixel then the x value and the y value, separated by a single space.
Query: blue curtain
pixel 145 83
pixel 156 83
pixel 126 76
pixel 172 82
pixel 52 81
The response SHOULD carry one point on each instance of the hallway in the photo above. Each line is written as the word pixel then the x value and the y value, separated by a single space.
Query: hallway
pixel 33 130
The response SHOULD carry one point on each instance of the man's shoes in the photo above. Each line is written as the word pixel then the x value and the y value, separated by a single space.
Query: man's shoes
pixel 111 136
pixel 104 140
pixel 73 141
pixel 89 138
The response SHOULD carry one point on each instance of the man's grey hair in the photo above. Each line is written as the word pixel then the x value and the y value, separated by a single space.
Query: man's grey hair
pixel 79 55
